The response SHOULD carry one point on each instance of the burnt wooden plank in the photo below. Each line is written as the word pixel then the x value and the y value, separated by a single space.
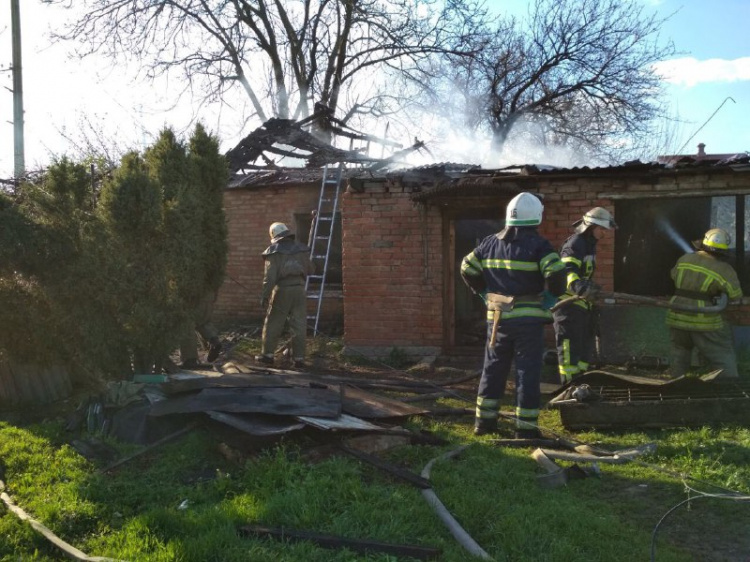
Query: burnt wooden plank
pixel 292 401
pixel 237 380
pixel 392 469
pixel 363 404
pixel 332 541
pixel 258 424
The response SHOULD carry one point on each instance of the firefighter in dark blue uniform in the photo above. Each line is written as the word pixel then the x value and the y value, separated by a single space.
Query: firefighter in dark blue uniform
pixel 510 270
pixel 574 329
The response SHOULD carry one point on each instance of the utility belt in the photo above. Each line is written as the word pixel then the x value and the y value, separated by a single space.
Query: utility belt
pixel 296 281
pixel 497 304
pixel 696 295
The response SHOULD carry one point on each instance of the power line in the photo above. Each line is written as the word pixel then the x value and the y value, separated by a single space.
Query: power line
pixel 707 121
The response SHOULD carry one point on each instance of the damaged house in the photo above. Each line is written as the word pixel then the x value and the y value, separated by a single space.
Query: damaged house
pixel 399 235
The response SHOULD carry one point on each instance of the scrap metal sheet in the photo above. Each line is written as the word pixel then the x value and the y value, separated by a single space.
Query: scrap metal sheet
pixel 344 421
pixel 293 401
pixel 258 424
pixel 238 380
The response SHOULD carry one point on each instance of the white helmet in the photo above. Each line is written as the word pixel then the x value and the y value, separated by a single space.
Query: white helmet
pixel 598 216
pixel 277 231
pixel 525 209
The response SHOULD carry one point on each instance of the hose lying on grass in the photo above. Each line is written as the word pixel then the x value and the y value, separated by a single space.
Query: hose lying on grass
pixel 69 550
pixel 454 527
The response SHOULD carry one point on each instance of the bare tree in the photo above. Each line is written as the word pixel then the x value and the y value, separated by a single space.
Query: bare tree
pixel 287 57
pixel 576 72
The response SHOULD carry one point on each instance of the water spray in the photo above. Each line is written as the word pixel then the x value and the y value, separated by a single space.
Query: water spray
pixel 669 230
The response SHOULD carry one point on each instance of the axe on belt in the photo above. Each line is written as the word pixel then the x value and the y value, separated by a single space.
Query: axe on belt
pixel 719 302
pixel 498 304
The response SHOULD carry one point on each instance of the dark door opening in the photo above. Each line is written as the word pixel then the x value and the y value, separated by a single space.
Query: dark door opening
pixel 470 316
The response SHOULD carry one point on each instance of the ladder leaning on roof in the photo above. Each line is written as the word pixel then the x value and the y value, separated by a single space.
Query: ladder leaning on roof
pixel 321 238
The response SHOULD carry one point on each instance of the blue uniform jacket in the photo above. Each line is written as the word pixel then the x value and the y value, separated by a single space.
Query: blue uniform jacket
pixel 514 262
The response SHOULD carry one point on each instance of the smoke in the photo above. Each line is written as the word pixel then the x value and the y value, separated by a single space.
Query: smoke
pixel 528 143
pixel 664 226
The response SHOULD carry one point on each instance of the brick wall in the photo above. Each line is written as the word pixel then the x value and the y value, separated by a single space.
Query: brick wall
pixel 566 202
pixel 249 214
pixel 393 248
pixel 392 268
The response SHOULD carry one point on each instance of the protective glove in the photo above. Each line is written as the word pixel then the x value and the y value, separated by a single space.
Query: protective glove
pixel 548 300
pixel 581 287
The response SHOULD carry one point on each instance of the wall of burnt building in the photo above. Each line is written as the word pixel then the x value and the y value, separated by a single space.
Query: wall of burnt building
pixel 395 277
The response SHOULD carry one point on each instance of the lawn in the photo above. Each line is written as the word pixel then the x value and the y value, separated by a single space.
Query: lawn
pixel 185 501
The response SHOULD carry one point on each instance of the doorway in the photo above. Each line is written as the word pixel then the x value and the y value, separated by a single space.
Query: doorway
pixel 469 312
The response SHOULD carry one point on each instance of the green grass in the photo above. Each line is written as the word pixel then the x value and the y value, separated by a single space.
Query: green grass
pixel 133 513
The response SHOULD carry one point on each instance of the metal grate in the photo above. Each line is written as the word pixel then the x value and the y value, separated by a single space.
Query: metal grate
pixel 713 391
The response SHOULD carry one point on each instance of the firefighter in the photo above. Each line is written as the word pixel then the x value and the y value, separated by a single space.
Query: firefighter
pixel 574 322
pixel 698 278
pixel 510 270
pixel 287 265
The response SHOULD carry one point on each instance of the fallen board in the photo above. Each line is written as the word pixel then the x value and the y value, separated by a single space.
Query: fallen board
pixel 363 404
pixel 293 401
pixel 178 386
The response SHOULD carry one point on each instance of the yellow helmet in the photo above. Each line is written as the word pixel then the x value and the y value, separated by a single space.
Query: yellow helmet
pixel 716 239
pixel 277 231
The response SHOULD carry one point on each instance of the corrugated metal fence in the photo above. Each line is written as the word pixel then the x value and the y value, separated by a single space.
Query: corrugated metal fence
pixel 33 383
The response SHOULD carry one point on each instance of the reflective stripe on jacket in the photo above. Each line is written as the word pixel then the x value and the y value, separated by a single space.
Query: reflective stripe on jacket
pixel 703 273
pixel 515 264
pixel 578 253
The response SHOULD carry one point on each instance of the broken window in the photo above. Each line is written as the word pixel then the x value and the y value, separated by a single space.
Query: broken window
pixel 655 233
pixel 303 224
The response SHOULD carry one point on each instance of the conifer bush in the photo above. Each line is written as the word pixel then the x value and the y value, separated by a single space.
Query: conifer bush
pixel 102 275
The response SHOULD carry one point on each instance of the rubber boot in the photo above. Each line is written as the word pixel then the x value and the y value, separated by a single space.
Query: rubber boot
pixel 529 433
pixel 485 426
pixel 214 349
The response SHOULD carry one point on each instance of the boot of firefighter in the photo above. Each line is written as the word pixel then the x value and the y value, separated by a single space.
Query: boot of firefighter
pixel 214 349
pixel 485 426
pixel 527 423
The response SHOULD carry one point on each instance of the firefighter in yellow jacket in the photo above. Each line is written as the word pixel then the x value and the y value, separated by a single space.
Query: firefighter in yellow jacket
pixel 698 278
pixel 287 265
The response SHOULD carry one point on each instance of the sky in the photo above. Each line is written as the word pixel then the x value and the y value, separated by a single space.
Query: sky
pixel 707 85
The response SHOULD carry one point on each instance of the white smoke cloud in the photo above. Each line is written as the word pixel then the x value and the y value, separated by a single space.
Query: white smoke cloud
pixel 524 146
pixel 689 71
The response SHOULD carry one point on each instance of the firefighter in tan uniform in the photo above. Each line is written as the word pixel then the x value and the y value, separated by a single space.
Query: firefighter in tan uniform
pixel 287 265
pixel 698 278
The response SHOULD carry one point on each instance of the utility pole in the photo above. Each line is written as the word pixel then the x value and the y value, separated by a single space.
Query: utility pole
pixel 19 166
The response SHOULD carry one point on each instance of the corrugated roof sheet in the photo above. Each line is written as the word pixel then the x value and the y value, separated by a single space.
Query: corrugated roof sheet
pixel 275 176
pixel 444 176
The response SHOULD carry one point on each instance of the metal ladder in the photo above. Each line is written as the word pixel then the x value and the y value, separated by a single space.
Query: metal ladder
pixel 321 238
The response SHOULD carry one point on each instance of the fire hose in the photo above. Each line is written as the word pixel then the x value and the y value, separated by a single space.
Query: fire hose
pixel 719 303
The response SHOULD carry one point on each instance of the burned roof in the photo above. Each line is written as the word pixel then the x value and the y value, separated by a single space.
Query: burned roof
pixel 275 176
pixel 313 141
